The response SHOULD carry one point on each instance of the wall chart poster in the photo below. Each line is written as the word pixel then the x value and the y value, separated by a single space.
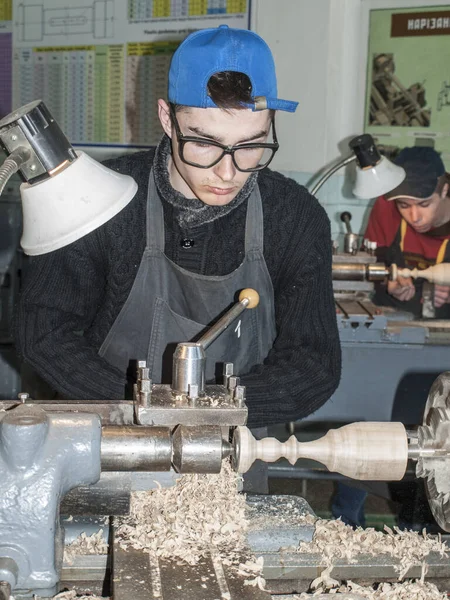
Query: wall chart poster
pixel 408 78
pixel 100 65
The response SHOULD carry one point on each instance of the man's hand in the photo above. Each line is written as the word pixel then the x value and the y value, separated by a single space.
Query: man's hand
pixel 441 295
pixel 403 289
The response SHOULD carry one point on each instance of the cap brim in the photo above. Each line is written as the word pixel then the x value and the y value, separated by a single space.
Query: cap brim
pixel 407 197
pixel 416 190
pixel 264 103
pixel 278 104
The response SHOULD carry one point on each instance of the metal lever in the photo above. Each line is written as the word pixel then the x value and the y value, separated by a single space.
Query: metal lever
pixel 346 217
pixel 189 359
pixel 248 298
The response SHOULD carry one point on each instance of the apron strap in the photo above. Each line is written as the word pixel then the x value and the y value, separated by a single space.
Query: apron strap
pixel 441 254
pixel 442 250
pixel 155 217
pixel 254 224
pixel 403 228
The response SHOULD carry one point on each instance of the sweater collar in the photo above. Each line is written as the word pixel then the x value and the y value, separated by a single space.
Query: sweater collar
pixel 191 212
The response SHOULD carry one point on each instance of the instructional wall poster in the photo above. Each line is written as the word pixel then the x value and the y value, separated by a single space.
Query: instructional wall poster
pixel 100 65
pixel 408 78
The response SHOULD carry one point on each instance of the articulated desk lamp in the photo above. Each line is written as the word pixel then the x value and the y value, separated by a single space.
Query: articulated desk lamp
pixel 375 175
pixel 65 194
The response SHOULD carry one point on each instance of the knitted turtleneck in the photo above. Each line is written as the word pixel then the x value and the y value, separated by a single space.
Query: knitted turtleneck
pixel 192 212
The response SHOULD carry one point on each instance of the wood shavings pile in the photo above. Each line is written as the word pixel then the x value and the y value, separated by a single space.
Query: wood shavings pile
pixel 86 544
pixel 335 540
pixel 72 595
pixel 252 569
pixel 186 520
pixel 408 590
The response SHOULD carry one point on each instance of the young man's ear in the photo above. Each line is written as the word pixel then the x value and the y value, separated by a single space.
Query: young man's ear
pixel 444 191
pixel 164 117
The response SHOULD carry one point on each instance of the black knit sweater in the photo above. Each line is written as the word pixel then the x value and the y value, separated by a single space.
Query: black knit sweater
pixel 71 297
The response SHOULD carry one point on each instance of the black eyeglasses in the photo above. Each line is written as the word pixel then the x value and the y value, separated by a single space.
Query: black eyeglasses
pixel 203 153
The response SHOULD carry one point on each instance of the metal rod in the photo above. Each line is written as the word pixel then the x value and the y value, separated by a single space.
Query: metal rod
pixel 5 590
pixel 349 271
pixel 359 272
pixel 136 448
pixel 330 172
pixel 224 321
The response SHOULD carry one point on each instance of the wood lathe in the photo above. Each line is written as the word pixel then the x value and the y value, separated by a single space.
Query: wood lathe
pixel 85 458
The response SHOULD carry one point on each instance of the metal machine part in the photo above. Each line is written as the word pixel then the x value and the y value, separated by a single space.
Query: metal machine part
pixel 136 448
pixel 189 358
pixel 33 129
pixel 354 275
pixel 9 574
pixel 42 457
pixel 351 240
pixel 62 451
pixel 189 361
pixel 199 449
pixel 5 590
pixel 12 164
pixel 433 450
pixel 46 453
pixel 360 271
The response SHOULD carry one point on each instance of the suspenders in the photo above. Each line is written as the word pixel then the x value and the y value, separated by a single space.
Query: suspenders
pixel 440 255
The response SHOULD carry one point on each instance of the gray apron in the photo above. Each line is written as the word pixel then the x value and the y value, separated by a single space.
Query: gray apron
pixel 168 305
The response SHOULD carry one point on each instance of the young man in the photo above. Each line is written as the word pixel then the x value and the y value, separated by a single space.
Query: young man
pixel 207 221
pixel 411 225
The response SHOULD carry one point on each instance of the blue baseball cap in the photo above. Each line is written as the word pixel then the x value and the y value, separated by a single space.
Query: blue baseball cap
pixel 423 167
pixel 222 48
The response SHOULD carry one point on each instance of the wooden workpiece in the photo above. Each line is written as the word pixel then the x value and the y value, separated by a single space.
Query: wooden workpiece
pixel 439 274
pixel 366 450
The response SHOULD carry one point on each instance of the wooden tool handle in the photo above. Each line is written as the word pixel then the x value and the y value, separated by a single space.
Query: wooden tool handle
pixel 251 295
pixel 366 450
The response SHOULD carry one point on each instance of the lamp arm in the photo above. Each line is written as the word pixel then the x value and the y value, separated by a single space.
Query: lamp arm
pixel 331 171
pixel 12 164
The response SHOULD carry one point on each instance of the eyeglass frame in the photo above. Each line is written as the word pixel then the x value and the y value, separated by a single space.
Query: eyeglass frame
pixel 183 139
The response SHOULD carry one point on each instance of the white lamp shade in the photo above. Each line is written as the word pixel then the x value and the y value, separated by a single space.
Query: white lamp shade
pixel 378 180
pixel 71 204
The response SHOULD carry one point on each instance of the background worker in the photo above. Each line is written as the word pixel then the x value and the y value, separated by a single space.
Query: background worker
pixel 411 225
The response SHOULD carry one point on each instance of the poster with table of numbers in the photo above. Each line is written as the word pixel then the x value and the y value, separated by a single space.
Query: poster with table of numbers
pixel 100 65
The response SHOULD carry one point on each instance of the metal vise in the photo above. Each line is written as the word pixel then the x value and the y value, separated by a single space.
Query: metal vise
pixel 42 457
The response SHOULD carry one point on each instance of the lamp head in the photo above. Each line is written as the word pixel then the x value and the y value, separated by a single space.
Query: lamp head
pixel 65 194
pixel 33 127
pixel 375 174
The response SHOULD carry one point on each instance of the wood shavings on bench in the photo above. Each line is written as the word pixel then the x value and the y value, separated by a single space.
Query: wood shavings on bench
pixel 407 590
pixel 86 544
pixel 335 540
pixel 186 520
pixel 72 595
